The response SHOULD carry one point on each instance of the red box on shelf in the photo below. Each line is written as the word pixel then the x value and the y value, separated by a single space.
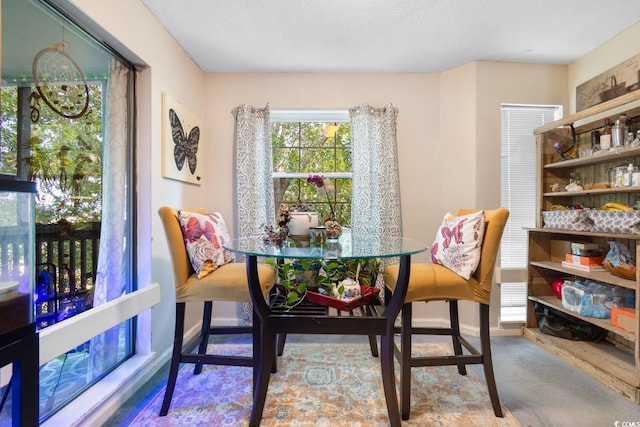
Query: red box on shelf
pixel 367 295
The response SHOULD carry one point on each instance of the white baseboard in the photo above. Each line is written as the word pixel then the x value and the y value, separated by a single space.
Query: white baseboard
pixel 504 329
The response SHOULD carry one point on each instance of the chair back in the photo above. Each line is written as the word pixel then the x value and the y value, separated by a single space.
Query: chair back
pixel 495 221
pixel 182 267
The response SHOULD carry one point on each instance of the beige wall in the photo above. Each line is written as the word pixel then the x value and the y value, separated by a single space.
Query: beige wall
pixel 616 50
pixel 469 146
pixel 169 70
pixel 415 96
pixel 448 130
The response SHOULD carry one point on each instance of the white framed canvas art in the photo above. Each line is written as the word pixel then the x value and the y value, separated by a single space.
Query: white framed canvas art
pixel 181 136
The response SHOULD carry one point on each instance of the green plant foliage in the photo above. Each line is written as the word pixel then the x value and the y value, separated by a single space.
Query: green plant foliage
pixel 297 277
pixel 63 156
pixel 300 147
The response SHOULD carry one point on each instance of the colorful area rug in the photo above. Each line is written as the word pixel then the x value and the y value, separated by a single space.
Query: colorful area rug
pixel 323 385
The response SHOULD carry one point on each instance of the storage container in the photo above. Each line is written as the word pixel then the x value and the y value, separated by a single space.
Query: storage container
pixel 568 220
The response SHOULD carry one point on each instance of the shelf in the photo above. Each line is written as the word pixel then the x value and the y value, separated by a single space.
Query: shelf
pixel 616 361
pixel 585 233
pixel 600 276
pixel 593 192
pixel 611 155
pixel 603 361
pixel 555 303
pixel 604 109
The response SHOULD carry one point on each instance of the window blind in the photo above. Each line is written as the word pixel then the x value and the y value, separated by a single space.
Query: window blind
pixel 518 194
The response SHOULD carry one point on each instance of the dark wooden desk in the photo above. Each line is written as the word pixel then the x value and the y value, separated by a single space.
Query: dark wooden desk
pixel 270 322
pixel 20 348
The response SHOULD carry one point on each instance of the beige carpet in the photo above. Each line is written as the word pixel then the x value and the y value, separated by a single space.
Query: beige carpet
pixel 323 385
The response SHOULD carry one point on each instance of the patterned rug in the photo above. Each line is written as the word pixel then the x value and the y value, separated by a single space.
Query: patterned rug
pixel 323 385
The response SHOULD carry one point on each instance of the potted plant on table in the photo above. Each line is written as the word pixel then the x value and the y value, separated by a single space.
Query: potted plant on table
pixel 295 278
pixel 276 235
pixel 328 282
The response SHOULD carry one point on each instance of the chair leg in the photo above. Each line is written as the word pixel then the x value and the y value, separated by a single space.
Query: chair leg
pixel 204 334
pixel 455 333
pixel 405 361
pixel 487 362
pixel 175 358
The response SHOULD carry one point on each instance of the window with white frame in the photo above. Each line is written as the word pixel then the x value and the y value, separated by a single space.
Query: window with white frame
pixel 307 143
pixel 518 194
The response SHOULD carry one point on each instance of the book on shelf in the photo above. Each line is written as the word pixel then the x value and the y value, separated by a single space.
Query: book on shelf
pixel 585 249
pixel 584 245
pixel 582 267
pixel 584 260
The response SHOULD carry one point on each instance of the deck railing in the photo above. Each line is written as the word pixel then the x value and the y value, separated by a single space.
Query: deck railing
pixel 65 262
pixel 71 249
pixel 69 256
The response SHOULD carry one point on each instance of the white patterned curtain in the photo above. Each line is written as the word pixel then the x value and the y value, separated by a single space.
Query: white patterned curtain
pixel 254 206
pixel 375 203
pixel 111 278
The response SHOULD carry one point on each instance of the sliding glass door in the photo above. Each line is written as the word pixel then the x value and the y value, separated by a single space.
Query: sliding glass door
pixel 66 125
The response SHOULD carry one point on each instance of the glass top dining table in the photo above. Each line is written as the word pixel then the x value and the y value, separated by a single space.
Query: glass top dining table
pixel 269 321
pixel 348 246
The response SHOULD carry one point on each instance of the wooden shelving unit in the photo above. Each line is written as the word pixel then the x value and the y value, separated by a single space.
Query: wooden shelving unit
pixel 616 361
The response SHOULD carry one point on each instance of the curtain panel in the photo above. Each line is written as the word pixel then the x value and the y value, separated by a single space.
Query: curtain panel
pixel 112 262
pixel 254 205
pixel 254 202
pixel 375 204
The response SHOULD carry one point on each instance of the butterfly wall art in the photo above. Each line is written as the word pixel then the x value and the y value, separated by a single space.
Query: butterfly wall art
pixel 181 142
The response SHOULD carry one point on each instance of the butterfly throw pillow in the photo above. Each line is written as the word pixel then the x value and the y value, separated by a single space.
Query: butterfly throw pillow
pixel 204 235
pixel 458 243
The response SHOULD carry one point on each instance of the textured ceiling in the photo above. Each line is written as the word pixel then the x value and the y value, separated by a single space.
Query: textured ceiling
pixel 387 36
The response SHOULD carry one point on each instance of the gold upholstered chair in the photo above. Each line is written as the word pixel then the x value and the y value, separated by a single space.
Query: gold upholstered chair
pixel 226 283
pixel 434 282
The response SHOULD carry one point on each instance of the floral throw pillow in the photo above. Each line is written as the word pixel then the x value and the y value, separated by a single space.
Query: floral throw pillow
pixel 458 243
pixel 204 235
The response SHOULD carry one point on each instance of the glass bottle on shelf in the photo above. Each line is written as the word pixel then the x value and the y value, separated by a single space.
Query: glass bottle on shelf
pixel 619 133
pixel 584 146
pixel 605 135
pixel 623 119
pixel 595 141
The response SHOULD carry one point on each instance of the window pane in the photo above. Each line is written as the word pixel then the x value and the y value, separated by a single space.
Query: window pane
pixel 518 194
pixel 311 135
pixel 290 134
pixel 318 160
pixel 518 172
pixel 323 148
pixel 66 376
pixel 283 157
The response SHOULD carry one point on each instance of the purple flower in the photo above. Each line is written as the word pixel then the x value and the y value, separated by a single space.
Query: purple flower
pixel 318 180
